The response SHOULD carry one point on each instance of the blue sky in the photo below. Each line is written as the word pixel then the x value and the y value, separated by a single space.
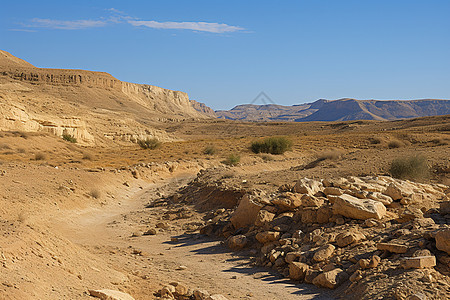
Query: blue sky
pixel 224 53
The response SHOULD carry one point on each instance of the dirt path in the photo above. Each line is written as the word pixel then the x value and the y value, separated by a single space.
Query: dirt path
pixel 154 260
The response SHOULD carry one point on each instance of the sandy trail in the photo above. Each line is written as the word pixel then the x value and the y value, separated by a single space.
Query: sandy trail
pixel 106 231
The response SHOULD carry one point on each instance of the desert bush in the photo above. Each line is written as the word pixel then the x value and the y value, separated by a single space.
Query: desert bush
pixel 272 145
pixel 151 144
pixel 439 142
pixel 95 193
pixel 210 150
pixel 374 140
pixel 394 144
pixel 232 159
pixel 329 154
pixel 40 156
pixel 69 138
pixel 87 156
pixel 414 167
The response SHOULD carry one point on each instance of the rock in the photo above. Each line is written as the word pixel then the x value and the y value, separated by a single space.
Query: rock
pixel 443 240
pixel 246 212
pixel 444 207
pixel 200 294
pixel 330 279
pixel 180 289
pixel 110 295
pixel 237 242
pixel 356 276
pixel 419 262
pixel 308 215
pixel 167 291
pixel 310 275
pixel 392 247
pixel 307 186
pixel 417 296
pixel 369 263
pixel 287 201
pixel 409 214
pixel 311 201
pixel 393 191
pixel 263 217
pixel 151 231
pixel 181 268
pixel 371 223
pixel 297 270
pixel 352 207
pixel 292 256
pixel 217 297
pixel 349 237
pixel 377 196
pixel 324 253
pixel 332 191
pixel 267 236
pixel 323 215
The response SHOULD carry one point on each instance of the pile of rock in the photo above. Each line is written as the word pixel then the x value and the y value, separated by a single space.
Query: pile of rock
pixel 348 231
pixel 176 290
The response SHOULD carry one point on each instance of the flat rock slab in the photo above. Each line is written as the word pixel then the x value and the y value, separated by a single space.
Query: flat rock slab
pixel 110 295
pixel 419 262
pixel 392 247
pixel 355 208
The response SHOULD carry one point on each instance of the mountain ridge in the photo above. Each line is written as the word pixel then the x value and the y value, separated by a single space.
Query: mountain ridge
pixel 344 109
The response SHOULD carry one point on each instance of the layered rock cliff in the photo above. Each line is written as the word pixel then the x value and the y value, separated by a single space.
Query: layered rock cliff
pixel 92 106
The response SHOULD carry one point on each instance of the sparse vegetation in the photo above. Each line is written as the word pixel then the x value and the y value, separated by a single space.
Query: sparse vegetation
pixel 439 142
pixel 394 144
pixel 151 144
pixel 272 145
pixel 87 156
pixel 95 193
pixel 40 156
pixel 414 167
pixel 68 137
pixel 210 150
pixel 329 154
pixel 232 159
pixel 375 140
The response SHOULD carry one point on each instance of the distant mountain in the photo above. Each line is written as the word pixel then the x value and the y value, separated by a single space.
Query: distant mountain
pixel 339 110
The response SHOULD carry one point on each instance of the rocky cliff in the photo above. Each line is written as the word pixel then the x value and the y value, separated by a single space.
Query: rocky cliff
pixel 92 106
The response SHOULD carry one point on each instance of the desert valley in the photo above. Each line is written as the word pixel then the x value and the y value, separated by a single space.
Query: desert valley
pixel 116 190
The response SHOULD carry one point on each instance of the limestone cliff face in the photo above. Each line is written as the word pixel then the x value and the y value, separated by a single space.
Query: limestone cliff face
pixel 203 108
pixel 92 106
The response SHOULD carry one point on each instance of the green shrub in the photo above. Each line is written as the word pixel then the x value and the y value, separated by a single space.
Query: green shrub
pixel 210 150
pixel 232 159
pixel 149 143
pixel 69 138
pixel 272 145
pixel 414 167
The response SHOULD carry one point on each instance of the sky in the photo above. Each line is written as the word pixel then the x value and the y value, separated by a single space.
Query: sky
pixel 225 53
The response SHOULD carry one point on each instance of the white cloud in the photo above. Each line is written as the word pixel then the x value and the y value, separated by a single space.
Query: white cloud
pixel 67 25
pixel 196 26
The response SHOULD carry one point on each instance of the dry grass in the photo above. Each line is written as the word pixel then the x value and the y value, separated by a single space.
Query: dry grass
pixel 395 144
pixel 40 156
pixel 95 193
pixel 414 167
pixel 232 159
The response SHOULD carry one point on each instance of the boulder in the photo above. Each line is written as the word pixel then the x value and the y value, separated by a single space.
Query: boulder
pixel 287 201
pixel 393 191
pixel 110 295
pixel 264 217
pixel 443 240
pixel 297 270
pixel 419 262
pixel 324 253
pixel 237 242
pixel 352 207
pixel 267 236
pixel 348 237
pixel 246 212
pixel 311 201
pixel 386 200
pixel 444 207
pixel 307 186
pixel 200 294
pixel 330 279
pixel 332 191
pixel 217 297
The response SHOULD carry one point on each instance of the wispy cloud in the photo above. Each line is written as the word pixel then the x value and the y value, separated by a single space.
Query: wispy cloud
pixel 66 25
pixel 118 17
pixel 196 26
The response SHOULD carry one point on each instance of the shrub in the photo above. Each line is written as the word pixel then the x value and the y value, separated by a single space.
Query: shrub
pixel 40 156
pixel 329 154
pixel 232 159
pixel 414 167
pixel 394 144
pixel 210 150
pixel 374 140
pixel 272 145
pixel 69 138
pixel 95 193
pixel 87 156
pixel 149 143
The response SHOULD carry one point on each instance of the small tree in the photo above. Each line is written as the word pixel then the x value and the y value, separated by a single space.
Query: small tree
pixel 149 143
